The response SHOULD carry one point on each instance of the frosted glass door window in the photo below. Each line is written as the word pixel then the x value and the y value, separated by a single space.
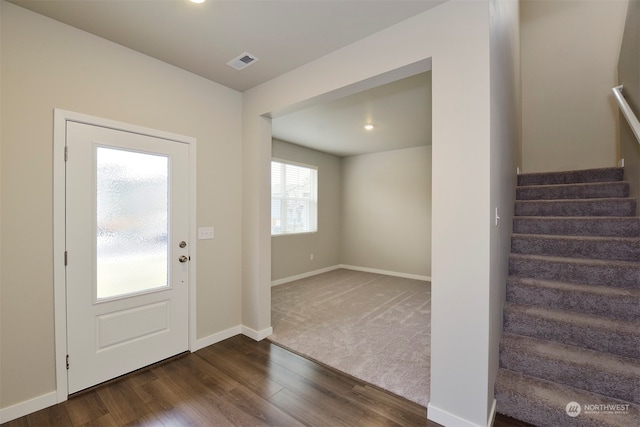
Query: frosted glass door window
pixel 132 222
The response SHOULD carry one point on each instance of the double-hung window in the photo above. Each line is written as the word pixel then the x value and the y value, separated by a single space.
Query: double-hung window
pixel 294 198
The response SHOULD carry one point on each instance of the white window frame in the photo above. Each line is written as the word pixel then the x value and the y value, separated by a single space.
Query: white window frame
pixel 312 200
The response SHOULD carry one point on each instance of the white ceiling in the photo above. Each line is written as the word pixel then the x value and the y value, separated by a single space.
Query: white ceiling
pixel 282 34
pixel 400 113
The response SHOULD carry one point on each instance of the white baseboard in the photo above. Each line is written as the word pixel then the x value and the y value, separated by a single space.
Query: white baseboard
pixel 33 405
pixel 28 406
pixel 492 415
pixel 350 267
pixel 386 272
pixel 303 275
pixel 217 337
pixel 445 418
pixel 232 332
pixel 257 335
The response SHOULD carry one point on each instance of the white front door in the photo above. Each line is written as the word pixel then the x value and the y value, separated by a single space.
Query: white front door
pixel 127 252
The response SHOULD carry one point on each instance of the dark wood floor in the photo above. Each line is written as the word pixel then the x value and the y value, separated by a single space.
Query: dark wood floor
pixel 237 382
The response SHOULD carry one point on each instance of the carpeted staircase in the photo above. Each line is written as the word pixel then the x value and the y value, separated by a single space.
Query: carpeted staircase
pixel 572 316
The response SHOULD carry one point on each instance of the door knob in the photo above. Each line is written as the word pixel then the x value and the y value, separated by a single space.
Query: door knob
pixel 183 258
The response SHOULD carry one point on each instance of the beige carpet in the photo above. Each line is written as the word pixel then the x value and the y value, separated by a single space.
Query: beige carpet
pixel 371 326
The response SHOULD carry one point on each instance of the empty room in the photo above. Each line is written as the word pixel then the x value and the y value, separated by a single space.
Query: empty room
pixel 351 234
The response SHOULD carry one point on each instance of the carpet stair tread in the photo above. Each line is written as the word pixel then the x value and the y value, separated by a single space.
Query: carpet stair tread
pixel 571 329
pixel 590 370
pixel 596 190
pixel 544 403
pixel 624 274
pixel 570 177
pixel 592 332
pixel 598 247
pixel 626 226
pixel 607 301
pixel 577 207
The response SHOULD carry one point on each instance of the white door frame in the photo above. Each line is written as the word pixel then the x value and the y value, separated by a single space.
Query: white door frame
pixel 59 230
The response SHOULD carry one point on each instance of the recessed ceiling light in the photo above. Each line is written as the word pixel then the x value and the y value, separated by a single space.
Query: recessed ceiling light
pixel 368 126
pixel 197 1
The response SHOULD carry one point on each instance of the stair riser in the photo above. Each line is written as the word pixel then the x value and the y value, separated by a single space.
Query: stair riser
pixel 622 276
pixel 623 250
pixel 571 177
pixel 621 343
pixel 613 227
pixel 621 385
pixel 543 403
pixel 610 207
pixel 521 408
pixel 626 308
pixel 578 191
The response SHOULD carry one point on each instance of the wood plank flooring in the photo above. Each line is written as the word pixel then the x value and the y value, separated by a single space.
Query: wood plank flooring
pixel 237 382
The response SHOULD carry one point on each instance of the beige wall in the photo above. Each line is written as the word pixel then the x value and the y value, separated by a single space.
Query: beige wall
pixel 374 211
pixel 290 253
pixel 629 76
pixel 505 155
pixel 53 65
pixel 47 65
pixel 569 58
pixel 454 37
pixel 386 211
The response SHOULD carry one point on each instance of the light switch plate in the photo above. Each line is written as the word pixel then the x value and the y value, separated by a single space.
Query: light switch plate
pixel 205 233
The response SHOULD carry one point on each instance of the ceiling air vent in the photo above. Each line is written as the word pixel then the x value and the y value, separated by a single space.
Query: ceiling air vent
pixel 242 61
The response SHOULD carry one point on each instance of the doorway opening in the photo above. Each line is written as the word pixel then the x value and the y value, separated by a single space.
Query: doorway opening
pixel 373 229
